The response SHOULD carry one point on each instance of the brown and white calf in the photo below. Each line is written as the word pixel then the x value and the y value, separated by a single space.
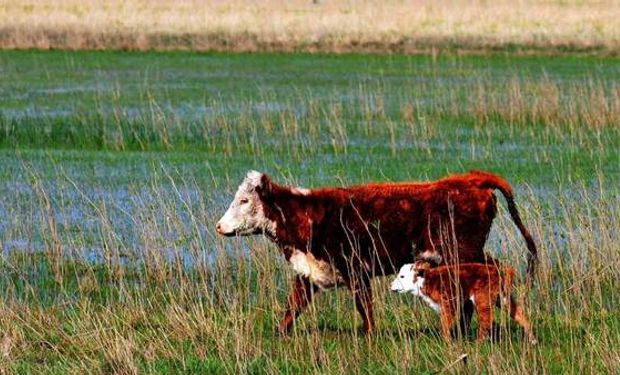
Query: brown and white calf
pixel 445 288
pixel 334 236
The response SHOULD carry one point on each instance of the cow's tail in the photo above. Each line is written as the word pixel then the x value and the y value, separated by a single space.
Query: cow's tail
pixel 491 181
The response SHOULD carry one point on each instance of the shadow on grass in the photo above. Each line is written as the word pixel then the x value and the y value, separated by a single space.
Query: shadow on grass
pixel 333 329
pixel 498 332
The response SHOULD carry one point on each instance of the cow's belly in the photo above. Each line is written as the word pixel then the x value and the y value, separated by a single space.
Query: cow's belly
pixel 319 272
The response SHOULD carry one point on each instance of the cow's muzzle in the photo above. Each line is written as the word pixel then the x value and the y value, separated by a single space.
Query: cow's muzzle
pixel 220 230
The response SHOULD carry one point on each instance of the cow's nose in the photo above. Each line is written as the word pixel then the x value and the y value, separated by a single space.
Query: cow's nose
pixel 218 228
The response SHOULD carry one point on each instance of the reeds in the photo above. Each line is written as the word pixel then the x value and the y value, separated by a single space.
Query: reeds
pixel 584 114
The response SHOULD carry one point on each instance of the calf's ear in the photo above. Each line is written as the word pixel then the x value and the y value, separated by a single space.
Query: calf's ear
pixel 421 266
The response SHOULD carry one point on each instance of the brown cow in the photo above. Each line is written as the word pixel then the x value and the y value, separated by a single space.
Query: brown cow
pixel 335 236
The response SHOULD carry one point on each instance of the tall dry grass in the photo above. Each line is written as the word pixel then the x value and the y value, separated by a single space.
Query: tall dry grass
pixel 320 25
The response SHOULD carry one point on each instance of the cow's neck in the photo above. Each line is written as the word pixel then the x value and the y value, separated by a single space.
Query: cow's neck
pixel 292 213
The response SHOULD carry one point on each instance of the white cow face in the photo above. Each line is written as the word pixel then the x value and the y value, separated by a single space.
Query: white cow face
pixel 246 214
pixel 407 280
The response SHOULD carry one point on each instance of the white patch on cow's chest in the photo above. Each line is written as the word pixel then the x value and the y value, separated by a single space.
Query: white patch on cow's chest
pixel 320 272
pixel 417 290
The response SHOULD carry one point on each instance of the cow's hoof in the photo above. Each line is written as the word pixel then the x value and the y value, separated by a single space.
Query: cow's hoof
pixel 283 330
pixel 368 331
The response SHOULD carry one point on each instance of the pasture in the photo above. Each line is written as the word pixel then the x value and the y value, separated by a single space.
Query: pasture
pixel 115 167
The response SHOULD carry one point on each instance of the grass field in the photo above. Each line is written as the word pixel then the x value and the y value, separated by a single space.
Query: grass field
pixel 115 167
pixel 542 27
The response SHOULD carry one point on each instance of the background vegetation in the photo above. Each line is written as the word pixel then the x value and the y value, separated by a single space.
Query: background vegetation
pixel 115 166
pixel 527 26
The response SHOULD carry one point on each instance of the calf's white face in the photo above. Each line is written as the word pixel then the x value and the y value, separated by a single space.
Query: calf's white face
pixel 407 280
pixel 246 214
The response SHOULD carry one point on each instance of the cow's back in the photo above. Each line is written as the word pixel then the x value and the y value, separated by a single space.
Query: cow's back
pixel 389 224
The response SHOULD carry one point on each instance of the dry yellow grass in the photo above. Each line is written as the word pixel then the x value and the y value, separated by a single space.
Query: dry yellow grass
pixel 319 25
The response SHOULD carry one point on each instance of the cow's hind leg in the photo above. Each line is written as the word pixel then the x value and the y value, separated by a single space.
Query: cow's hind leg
pixel 300 297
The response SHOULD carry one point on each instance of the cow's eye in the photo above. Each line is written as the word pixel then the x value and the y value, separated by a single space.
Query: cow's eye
pixel 244 200
pixel 402 276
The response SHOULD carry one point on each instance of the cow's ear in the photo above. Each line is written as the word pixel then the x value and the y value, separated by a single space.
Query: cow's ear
pixel 264 188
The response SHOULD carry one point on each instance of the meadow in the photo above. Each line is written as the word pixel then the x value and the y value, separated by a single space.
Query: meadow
pixel 405 26
pixel 114 168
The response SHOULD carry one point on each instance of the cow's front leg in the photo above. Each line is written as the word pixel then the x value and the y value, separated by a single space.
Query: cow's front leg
pixel 363 302
pixel 300 297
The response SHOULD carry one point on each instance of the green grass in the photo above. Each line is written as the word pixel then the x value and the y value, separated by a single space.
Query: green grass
pixel 115 166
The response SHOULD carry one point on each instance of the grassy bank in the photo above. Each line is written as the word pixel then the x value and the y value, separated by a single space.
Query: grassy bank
pixel 327 26
pixel 114 168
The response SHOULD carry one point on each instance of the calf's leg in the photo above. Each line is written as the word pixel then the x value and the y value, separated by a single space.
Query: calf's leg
pixel 447 319
pixel 467 311
pixel 519 316
pixel 300 297
pixel 484 309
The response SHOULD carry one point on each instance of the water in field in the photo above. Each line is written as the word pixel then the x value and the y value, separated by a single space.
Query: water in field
pixel 142 204
pixel 131 153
